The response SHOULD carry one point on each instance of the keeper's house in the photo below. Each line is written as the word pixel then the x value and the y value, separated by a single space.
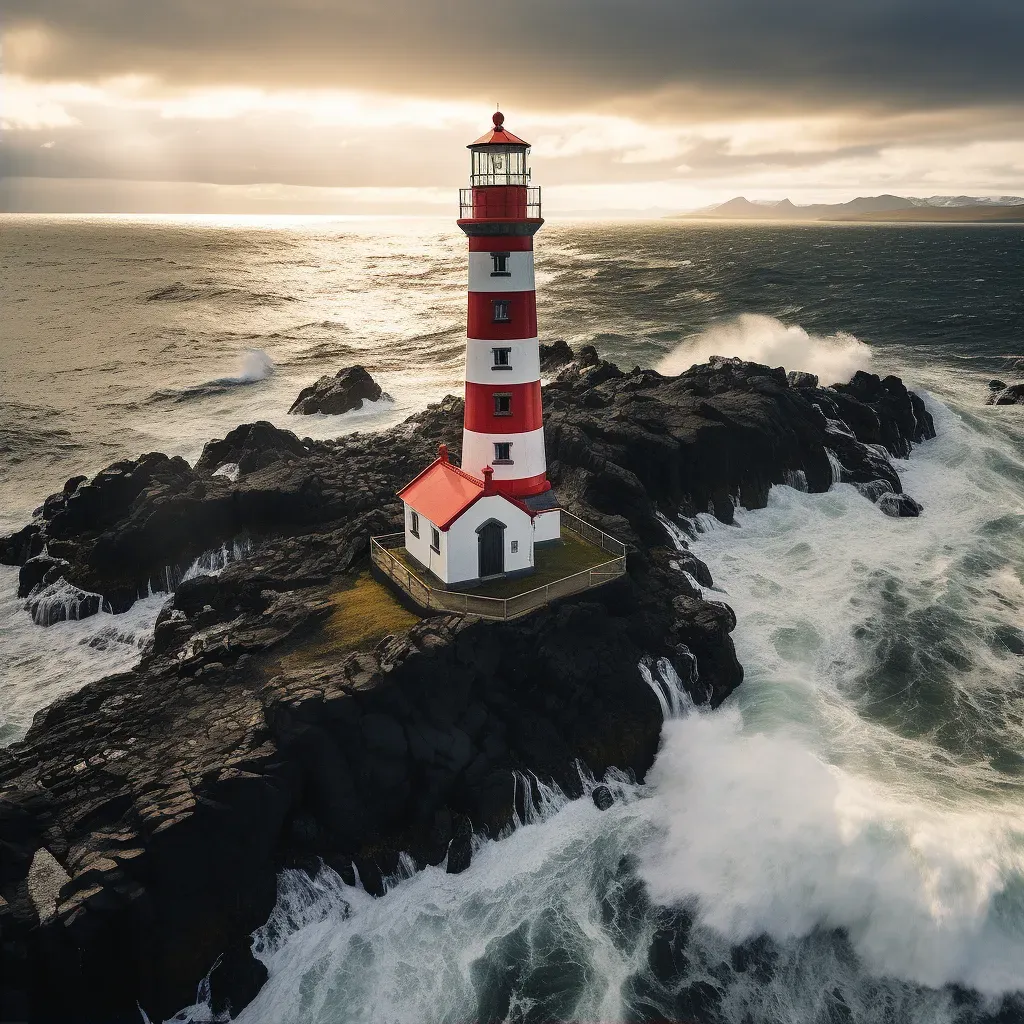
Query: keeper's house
pixel 464 530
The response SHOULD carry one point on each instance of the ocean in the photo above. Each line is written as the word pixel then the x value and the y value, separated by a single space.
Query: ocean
pixel 843 841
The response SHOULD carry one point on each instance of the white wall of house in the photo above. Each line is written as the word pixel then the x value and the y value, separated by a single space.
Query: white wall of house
pixel 420 547
pixel 462 550
pixel 548 526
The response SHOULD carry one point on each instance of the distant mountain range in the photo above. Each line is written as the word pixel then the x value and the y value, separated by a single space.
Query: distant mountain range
pixel 937 209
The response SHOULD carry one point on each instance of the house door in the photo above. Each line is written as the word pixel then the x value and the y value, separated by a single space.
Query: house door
pixel 491 544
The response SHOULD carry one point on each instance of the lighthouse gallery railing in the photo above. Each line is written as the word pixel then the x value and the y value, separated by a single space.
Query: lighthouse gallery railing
pixel 524 205
pixel 432 599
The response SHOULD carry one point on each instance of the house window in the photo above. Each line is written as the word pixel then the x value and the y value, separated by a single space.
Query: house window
pixel 503 403
pixel 435 539
pixel 502 358
pixel 499 260
pixel 500 311
pixel 515 547
pixel 414 523
pixel 503 453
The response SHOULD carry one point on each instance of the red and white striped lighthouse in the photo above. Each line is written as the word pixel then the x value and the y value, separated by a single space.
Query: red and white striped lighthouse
pixel 500 212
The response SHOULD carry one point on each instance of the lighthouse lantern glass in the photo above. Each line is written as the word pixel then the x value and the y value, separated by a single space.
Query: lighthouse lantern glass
pixel 500 165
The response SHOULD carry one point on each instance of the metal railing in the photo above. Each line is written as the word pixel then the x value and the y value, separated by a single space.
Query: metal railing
pixel 484 206
pixel 433 600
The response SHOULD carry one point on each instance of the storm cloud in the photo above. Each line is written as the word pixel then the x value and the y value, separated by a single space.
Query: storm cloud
pixel 699 99
pixel 555 52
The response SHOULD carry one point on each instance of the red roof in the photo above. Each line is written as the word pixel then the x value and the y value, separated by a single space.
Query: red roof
pixel 498 136
pixel 442 492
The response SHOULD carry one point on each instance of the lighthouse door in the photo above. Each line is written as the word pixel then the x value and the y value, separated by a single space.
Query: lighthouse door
pixel 491 545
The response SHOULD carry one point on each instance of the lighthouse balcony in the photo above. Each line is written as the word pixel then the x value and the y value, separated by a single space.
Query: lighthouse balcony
pixel 585 558
pixel 500 203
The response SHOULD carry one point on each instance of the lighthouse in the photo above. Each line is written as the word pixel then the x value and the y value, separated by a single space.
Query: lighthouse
pixel 485 519
pixel 503 425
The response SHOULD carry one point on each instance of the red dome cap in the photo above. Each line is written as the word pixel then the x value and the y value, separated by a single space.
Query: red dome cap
pixel 498 118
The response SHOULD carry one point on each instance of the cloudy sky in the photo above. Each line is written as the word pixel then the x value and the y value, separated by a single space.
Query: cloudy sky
pixel 632 106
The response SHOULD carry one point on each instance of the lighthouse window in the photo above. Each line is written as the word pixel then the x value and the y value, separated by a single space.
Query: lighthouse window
pixel 502 358
pixel 515 547
pixel 414 523
pixel 435 539
pixel 503 453
pixel 504 167
pixel 503 403
pixel 500 263
pixel 500 310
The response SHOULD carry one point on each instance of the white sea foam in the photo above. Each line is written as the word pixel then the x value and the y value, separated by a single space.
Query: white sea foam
pixel 256 365
pixel 763 339
pixel 836 794
pixel 41 663
pixel 44 662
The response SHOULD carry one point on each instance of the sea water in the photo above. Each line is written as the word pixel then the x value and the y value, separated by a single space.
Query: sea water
pixel 844 839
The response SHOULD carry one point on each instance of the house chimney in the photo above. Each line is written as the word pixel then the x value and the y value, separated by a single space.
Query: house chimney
pixel 442 452
pixel 489 480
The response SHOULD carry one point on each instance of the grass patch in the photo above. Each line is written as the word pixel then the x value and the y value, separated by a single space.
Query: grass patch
pixel 363 615
pixel 553 562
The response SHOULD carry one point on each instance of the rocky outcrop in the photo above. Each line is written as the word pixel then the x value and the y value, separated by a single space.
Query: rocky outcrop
pixel 344 392
pixel 720 435
pixel 555 356
pixel 145 817
pixel 1009 394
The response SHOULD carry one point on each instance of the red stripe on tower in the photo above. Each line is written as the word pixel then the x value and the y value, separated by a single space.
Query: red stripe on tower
pixel 502 315
pixel 500 212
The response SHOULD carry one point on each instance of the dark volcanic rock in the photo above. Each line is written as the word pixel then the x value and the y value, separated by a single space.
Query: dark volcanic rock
pixel 900 506
pixel 170 796
pixel 460 854
pixel 602 797
pixel 250 447
pixel 800 379
pixel 903 418
pixel 555 355
pixel 1009 395
pixel 236 978
pixel 345 391
pixel 19 547
pixel 996 385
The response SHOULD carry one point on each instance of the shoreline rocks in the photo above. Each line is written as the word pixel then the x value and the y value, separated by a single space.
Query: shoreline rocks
pixel 253 736
pixel 1005 394
pixel 344 392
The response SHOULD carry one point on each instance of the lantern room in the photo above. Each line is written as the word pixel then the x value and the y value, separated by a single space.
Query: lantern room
pixel 499 157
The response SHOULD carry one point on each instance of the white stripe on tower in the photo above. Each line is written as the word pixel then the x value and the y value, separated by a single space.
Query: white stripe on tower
pixel 526 451
pixel 487 364
pixel 517 277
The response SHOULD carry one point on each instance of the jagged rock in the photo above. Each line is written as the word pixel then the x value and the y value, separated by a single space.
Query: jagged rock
pixel 899 506
pixel 460 855
pixel 996 385
pixel 38 570
pixel 905 420
pixel 236 978
pixel 555 355
pixel 19 547
pixel 800 379
pixel 602 797
pixel 1012 394
pixel 250 447
pixel 345 391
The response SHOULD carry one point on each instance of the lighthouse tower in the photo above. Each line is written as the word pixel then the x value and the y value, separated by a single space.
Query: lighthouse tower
pixel 485 519
pixel 503 426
